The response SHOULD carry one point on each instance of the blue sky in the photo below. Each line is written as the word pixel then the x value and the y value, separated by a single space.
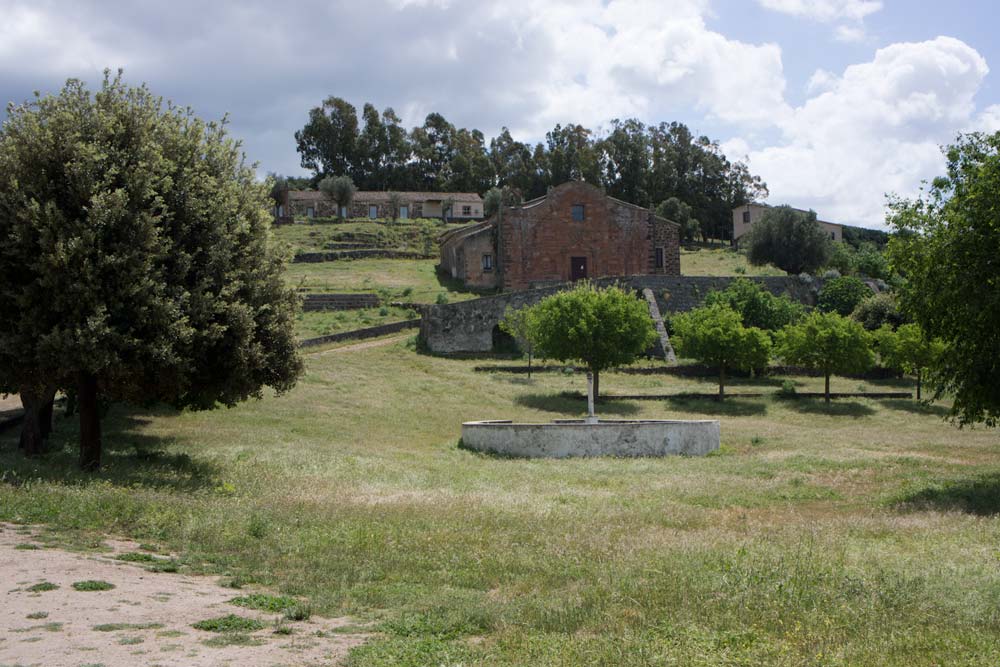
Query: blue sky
pixel 834 102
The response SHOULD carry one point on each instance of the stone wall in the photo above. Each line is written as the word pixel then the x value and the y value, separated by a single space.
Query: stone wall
pixel 470 326
pixel 356 334
pixel 334 255
pixel 345 301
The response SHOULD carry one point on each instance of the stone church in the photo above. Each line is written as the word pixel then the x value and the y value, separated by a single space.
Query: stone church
pixel 573 232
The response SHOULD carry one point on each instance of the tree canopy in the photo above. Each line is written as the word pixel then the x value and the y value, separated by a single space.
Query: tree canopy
pixel 946 246
pixel 789 239
pixel 827 342
pixel 842 295
pixel 756 306
pixel 908 349
pixel 642 164
pixel 715 335
pixel 601 327
pixel 135 251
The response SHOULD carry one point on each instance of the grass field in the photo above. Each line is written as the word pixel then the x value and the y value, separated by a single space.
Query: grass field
pixel 860 533
pixel 721 262
pixel 409 280
pixel 320 323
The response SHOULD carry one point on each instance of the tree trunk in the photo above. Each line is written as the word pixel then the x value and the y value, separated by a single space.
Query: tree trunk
pixel 597 384
pixel 90 422
pixel 827 390
pixel 31 441
pixel 37 422
pixel 45 415
pixel 722 382
pixel 918 384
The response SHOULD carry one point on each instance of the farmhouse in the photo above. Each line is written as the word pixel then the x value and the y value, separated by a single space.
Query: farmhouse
pixel 305 204
pixel 744 217
pixel 573 232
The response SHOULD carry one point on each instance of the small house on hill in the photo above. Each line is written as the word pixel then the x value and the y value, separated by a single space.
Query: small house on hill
pixel 306 204
pixel 573 232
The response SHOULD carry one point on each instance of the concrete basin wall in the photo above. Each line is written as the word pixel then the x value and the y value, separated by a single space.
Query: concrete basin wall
pixel 605 438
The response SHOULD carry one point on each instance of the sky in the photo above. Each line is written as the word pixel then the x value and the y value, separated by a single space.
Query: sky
pixel 835 103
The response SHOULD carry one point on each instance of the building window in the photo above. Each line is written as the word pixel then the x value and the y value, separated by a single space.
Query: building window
pixel 343 211
pixel 466 210
pixel 746 217
pixel 373 212
pixel 833 235
pixel 487 262
pixel 577 212
pixel 659 258
pixel 404 212
pixel 310 212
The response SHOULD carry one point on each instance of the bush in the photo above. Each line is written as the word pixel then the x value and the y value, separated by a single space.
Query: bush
pixel 872 263
pixel 878 310
pixel 442 298
pixel 842 295
pixel 756 306
pixel 791 240
pixel 843 259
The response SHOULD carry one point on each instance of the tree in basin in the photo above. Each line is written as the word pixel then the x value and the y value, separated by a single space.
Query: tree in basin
pixel 601 327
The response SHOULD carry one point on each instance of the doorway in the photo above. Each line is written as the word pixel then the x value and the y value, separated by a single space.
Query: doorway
pixel 577 268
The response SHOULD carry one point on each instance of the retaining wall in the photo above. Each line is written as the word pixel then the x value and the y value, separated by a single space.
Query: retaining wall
pixel 348 301
pixel 568 438
pixel 468 326
pixel 359 334
pixel 334 255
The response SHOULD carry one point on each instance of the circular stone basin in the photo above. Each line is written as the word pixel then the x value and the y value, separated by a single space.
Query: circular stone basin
pixel 576 437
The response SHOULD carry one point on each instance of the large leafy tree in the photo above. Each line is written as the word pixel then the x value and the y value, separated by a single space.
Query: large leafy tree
pixel 340 189
pixel 602 327
pixel 791 240
pixel 947 246
pixel 715 335
pixel 328 144
pixel 135 250
pixel 829 343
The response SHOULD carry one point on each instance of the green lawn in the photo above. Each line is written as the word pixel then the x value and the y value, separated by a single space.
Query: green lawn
pixel 320 323
pixel 721 262
pixel 410 280
pixel 860 533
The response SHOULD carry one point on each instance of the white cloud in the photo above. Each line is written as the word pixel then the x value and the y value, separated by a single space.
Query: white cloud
pixel 849 13
pixel 825 10
pixel 875 129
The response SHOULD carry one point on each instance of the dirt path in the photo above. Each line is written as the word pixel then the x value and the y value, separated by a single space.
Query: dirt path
pixel 147 616
pixel 355 347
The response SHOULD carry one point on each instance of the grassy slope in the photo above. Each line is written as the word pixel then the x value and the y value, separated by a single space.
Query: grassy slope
pixel 409 236
pixel 721 262
pixel 320 323
pixel 788 548
pixel 411 280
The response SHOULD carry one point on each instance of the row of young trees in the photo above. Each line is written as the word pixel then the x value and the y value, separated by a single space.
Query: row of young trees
pixel 135 262
pixel 741 328
pixel 645 165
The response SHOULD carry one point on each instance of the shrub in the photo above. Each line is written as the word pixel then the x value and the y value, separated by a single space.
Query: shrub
pixel 442 298
pixel 756 306
pixel 842 295
pixel 877 311
pixel 791 240
pixel 229 623
pixel 871 262
pixel 93 585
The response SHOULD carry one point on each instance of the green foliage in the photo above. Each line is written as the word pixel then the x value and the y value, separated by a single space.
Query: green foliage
pixel 298 612
pixel 790 240
pixel 602 328
pixel 92 585
pixel 756 306
pixel 265 602
pixel 42 587
pixel 115 627
pixel 946 245
pixel 909 350
pixel 516 323
pixel 675 210
pixel 827 342
pixel 877 311
pixel 872 262
pixel 715 335
pixel 842 295
pixel 135 249
pixel 843 258
pixel 229 623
